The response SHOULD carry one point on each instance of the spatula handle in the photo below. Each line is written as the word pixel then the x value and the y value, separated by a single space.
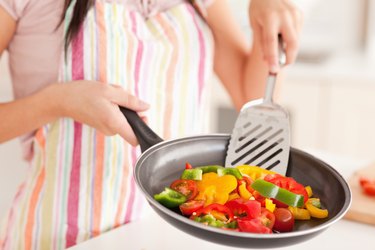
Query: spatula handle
pixel 271 80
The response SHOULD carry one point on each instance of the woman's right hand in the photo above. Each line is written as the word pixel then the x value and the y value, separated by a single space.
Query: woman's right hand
pixel 96 104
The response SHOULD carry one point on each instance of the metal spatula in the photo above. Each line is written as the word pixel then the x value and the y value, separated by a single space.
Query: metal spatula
pixel 261 134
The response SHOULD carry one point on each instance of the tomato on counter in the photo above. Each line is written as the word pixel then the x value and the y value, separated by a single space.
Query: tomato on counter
pixel 367 185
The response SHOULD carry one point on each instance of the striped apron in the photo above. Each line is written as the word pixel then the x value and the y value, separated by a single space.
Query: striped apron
pixel 80 183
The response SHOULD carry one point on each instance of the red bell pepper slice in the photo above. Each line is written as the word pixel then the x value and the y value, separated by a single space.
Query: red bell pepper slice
pixel 244 208
pixel 214 207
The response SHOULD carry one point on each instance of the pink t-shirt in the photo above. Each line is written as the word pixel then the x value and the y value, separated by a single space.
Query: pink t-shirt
pixel 35 50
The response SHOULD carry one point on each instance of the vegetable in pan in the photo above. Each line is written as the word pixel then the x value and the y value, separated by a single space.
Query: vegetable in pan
pixel 245 199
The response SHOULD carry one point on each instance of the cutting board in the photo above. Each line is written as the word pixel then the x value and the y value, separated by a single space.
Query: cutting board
pixel 363 206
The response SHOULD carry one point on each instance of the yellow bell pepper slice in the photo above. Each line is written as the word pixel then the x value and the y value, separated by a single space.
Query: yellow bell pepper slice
pixel 254 172
pixel 243 192
pixel 215 189
pixel 309 191
pixel 233 196
pixel 313 206
pixel 270 206
pixel 300 213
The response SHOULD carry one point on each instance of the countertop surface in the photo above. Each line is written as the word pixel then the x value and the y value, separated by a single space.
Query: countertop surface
pixel 153 233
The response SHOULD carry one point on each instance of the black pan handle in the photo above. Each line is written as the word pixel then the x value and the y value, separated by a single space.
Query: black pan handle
pixel 145 135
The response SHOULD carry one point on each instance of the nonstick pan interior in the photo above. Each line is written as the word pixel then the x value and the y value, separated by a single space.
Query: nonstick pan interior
pixel 164 162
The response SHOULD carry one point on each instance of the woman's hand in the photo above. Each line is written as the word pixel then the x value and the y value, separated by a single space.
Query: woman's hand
pixel 96 104
pixel 93 103
pixel 269 18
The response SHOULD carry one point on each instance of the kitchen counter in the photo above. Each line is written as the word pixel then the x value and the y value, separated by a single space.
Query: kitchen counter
pixel 153 233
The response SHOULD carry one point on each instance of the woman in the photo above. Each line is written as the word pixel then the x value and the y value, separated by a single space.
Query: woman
pixel 80 147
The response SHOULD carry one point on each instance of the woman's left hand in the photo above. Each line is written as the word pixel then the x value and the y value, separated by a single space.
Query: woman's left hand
pixel 269 18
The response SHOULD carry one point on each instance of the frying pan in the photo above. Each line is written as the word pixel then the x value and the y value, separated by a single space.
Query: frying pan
pixel 163 162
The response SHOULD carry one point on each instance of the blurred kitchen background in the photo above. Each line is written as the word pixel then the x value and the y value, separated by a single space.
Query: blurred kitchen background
pixel 329 92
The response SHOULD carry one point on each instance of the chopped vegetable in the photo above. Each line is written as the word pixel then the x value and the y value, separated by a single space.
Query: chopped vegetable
pixel 254 172
pixel 270 206
pixel 368 186
pixel 315 211
pixel 244 208
pixel 192 174
pixel 300 213
pixel 284 220
pixel 229 171
pixel 246 198
pixel 270 190
pixel 170 198
pixel 210 168
pixel 186 187
pixel 309 191
pixel 190 207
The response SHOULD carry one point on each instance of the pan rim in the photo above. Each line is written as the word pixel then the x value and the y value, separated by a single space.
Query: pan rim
pixel 245 235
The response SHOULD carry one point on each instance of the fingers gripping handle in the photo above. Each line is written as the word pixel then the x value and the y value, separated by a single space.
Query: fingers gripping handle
pixel 145 135
pixel 271 80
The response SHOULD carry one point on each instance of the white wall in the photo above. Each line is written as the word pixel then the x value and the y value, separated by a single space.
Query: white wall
pixel 12 168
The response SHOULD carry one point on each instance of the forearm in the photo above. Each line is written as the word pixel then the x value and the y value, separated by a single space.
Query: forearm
pixel 27 114
pixel 255 74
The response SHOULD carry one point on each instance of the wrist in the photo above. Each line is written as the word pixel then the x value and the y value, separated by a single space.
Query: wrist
pixel 52 97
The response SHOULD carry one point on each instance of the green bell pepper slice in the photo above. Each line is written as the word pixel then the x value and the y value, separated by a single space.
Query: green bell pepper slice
pixel 270 190
pixel 230 171
pixel 209 168
pixel 192 174
pixel 170 198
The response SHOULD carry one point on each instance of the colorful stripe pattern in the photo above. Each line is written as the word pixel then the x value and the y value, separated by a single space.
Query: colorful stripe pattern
pixel 80 183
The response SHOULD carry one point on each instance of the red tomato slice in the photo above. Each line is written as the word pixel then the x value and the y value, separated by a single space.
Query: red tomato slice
pixel 188 188
pixel 191 206
pixel 244 208
pixel 252 226
pixel 284 220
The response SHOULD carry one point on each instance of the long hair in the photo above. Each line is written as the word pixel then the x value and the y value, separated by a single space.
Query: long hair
pixel 80 10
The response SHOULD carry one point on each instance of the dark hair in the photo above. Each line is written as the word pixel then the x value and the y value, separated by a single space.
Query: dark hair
pixel 80 10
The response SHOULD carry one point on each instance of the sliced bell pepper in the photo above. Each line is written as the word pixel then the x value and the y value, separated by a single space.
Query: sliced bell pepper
pixel 229 171
pixel 192 174
pixel 209 168
pixel 244 208
pixel 315 210
pixel 212 209
pixel 170 198
pixel 270 206
pixel 243 192
pixel 270 190
pixel 215 189
pixel 233 196
pixel 300 213
pixel 254 172
pixel 309 191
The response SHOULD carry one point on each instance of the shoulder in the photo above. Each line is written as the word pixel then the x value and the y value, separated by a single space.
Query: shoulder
pixel 15 8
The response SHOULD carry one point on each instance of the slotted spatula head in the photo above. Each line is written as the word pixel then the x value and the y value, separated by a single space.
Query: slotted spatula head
pixel 261 135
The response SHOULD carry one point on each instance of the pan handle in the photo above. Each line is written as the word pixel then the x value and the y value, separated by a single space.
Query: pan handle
pixel 145 135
